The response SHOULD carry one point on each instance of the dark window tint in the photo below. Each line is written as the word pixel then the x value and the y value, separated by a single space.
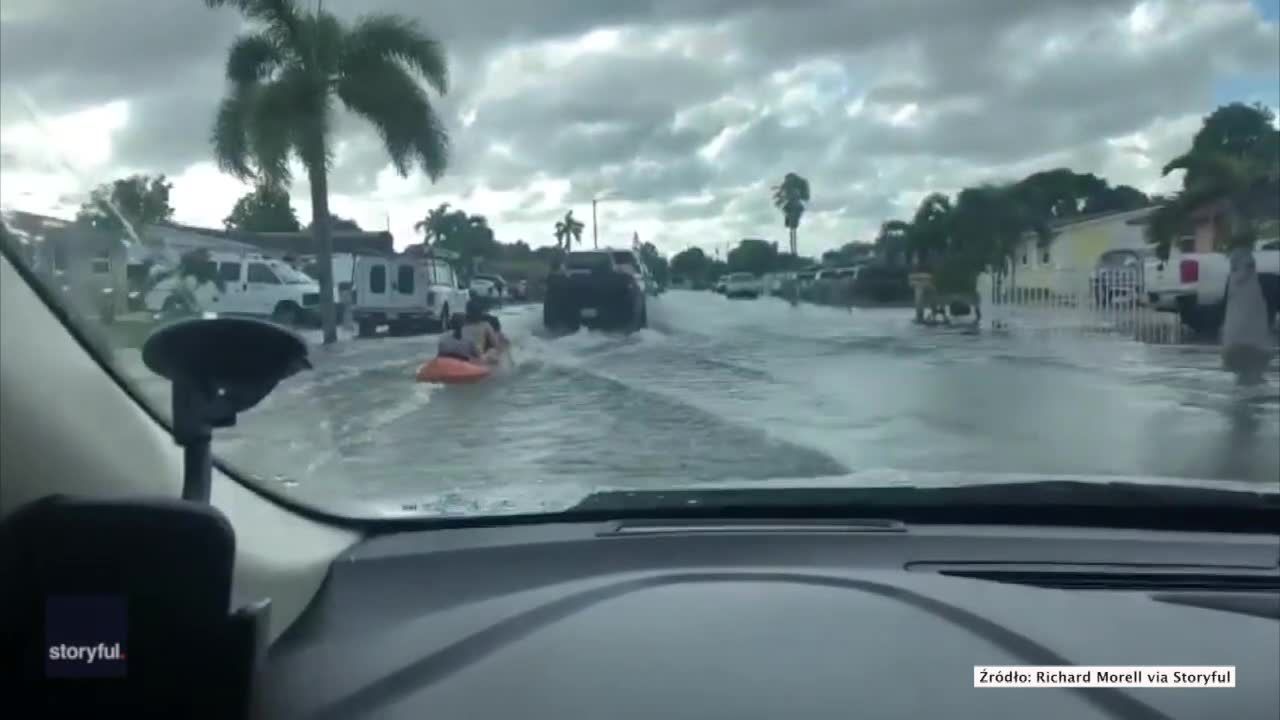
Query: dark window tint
pixel 588 261
pixel 229 272
pixel 208 269
pixel 259 273
pixel 378 279
pixel 404 279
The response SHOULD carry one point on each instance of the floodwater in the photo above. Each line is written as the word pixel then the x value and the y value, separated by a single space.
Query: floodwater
pixel 736 392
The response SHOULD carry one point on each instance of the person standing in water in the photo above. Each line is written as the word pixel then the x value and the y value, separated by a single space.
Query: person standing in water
pixel 1247 346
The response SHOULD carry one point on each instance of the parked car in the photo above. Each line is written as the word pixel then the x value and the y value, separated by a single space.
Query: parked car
pixel 741 285
pixel 1194 285
pixel 520 290
pixel 251 284
pixel 599 289
pixel 1118 277
pixel 720 284
pixel 492 287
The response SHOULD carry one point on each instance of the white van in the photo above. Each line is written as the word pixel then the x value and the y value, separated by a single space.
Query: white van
pixel 407 293
pixel 252 284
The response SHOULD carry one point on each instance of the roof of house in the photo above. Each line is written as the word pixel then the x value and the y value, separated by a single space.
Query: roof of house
pixel 1128 217
pixel 29 227
pixel 1136 216
pixel 302 242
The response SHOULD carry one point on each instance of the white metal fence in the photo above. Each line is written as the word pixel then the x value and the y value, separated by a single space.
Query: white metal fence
pixel 1109 301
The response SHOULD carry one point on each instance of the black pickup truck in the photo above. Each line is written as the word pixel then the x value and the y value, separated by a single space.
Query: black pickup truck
pixel 598 289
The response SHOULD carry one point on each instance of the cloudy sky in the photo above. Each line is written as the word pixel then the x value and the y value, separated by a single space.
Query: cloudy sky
pixel 684 111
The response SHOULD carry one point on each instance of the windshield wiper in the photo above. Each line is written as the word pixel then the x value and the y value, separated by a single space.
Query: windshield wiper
pixel 1048 502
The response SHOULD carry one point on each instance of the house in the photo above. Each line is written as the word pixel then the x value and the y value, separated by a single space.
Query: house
pixel 76 260
pixel 1075 245
pixel 1212 226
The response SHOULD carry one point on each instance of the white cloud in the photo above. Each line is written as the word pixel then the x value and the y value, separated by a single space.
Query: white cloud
pixel 690 110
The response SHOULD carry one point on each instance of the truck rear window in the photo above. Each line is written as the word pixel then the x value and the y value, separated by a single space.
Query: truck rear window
pixel 588 261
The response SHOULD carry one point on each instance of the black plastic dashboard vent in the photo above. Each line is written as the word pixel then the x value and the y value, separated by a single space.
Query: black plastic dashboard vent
pixel 1217 582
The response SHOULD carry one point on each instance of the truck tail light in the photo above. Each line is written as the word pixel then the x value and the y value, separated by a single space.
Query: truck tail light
pixel 1189 271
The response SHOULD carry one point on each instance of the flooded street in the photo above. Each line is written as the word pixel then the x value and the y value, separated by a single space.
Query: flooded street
pixel 745 392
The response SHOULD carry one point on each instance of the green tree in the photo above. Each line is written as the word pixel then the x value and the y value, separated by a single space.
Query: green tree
pixel 337 223
pixel 693 265
pixel 264 209
pixel 434 226
pixel 284 77
pixel 137 200
pixel 658 266
pixel 469 236
pixel 791 197
pixel 988 224
pixel 754 256
pixel 929 235
pixel 568 231
pixel 893 242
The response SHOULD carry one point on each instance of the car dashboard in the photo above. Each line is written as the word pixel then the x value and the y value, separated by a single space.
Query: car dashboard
pixel 786 619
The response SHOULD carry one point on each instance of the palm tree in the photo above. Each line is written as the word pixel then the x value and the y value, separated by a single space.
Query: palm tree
pixel 284 77
pixel 1233 163
pixel 790 196
pixel 568 231
pixel 434 226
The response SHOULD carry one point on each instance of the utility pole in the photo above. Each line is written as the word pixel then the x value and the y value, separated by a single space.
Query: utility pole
pixel 595 233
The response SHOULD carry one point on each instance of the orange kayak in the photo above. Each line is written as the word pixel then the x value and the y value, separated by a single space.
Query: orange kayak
pixel 451 371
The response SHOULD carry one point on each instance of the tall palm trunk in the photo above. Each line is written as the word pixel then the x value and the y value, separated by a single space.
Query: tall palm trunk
pixel 323 235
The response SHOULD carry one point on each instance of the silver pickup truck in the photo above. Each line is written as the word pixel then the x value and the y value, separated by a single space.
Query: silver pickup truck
pixel 1194 285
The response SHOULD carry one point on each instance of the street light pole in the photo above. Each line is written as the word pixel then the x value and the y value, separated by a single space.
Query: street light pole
pixel 595 233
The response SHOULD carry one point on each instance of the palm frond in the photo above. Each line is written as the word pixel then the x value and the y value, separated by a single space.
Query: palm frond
pixel 385 94
pixel 230 141
pixel 323 45
pixel 376 39
pixel 271 126
pixel 252 59
pixel 801 186
pixel 280 13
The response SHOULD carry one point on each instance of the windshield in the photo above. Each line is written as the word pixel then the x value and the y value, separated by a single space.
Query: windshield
pixel 867 245
pixel 289 275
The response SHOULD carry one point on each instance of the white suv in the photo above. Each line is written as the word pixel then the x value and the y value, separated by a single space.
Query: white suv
pixel 247 284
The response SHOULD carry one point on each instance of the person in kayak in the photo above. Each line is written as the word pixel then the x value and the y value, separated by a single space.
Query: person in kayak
pixel 478 329
pixel 455 345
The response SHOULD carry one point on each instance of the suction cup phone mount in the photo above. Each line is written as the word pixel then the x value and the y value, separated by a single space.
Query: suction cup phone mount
pixel 219 368
pixel 147 580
